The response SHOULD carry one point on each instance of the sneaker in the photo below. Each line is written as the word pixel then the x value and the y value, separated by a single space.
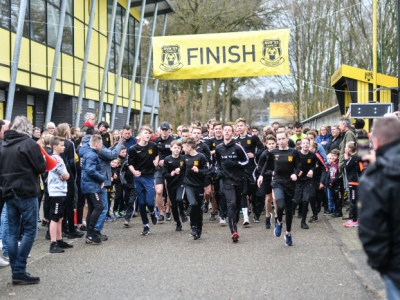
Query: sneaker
pixel 93 239
pixel 278 229
pixel 352 224
pixel 205 207
pixel 193 231
pixel 304 225
pixel 117 215
pixel 235 237
pixel 337 215
pixel 126 223
pixel 212 217
pixel 313 219
pixel 197 236
pixel 6 257
pixel 109 219
pixel 44 223
pixel 246 220
pixel 154 218
pixel 76 234
pixel 178 228
pixel 348 222
pixel 268 222
pixel 168 216
pixel 256 219
pixel 55 248
pixel 102 237
pixel 64 245
pixel 288 240
pixel 83 228
pixel 3 262
pixel 328 212
pixel 24 278
pixel 122 214
pixel 47 236
pixel 222 221
pixel 184 218
pixel 146 230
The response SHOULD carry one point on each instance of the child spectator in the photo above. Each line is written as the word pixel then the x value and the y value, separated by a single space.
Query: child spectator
pixel 57 187
pixel 336 183
pixel 115 181
pixel 331 204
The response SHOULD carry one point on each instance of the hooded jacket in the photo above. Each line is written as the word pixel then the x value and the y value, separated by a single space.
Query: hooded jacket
pixel 231 161
pixel 348 136
pixel 379 212
pixel 106 155
pixel 91 177
pixel 21 162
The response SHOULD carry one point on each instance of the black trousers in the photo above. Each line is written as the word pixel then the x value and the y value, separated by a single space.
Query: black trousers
pixel 306 193
pixel 284 201
pixel 69 207
pixel 119 198
pixel 233 195
pixel 176 197
pixel 220 197
pixel 337 198
pixel 95 207
pixel 353 202
pixel 130 202
pixel 249 189
pixel 195 195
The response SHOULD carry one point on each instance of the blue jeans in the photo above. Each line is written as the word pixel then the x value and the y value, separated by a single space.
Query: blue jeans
pixel 100 222
pixel 331 203
pixel 4 229
pixel 144 186
pixel 25 211
pixel 392 292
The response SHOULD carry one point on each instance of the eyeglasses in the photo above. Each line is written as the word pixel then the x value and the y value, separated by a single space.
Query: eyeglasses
pixel 50 128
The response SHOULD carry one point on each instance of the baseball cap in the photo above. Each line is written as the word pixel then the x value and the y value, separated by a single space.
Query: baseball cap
pixel 164 125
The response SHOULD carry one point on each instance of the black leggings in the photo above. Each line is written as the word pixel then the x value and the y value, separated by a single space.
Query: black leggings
pixel 176 197
pixel 195 197
pixel 95 208
pixel 353 202
pixel 284 200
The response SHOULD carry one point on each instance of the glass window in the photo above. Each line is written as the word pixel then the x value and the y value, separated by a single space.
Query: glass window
pixel 53 17
pixel 68 36
pixel 55 2
pixel 131 35
pixel 70 7
pixel 14 18
pixel 111 62
pixel 5 14
pixel 118 25
pixel 38 21
pixel 125 64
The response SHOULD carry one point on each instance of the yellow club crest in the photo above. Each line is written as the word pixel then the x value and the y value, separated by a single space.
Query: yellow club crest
pixel 290 158
pixel 150 151
pixel 196 163
pixel 309 160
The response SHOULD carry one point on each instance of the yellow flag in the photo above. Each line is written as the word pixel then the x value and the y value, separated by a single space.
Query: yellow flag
pixel 221 55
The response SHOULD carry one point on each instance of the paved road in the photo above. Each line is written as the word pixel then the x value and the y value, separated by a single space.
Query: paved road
pixel 326 262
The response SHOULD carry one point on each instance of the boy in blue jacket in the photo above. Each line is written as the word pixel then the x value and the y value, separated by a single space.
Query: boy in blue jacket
pixel 92 181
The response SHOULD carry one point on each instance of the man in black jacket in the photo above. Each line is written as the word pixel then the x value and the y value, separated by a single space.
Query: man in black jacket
pixel 379 209
pixel 231 160
pixel 21 162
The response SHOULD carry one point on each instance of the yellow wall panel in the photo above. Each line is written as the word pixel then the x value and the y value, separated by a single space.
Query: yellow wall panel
pixel 24 57
pixel 92 77
pixel 119 102
pixel 78 70
pixel 103 16
pixel 109 98
pixel 38 58
pixel 23 78
pixel 38 82
pixel 5 57
pixel 76 90
pixel 133 11
pixel 79 10
pixel 2 110
pixel 94 48
pixel 102 50
pixel 67 67
pixel 4 74
pixel 91 94
pixel 79 40
pixel 50 60
pixel 58 87
pixel 87 10
pixel 136 96
pixel 126 85
pixel 68 88
pixel 385 96
pixel 111 83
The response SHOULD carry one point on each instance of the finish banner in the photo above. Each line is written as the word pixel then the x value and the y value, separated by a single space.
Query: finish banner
pixel 221 55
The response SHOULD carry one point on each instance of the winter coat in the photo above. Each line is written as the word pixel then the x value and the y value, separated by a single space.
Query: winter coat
pixel 21 162
pixel 91 177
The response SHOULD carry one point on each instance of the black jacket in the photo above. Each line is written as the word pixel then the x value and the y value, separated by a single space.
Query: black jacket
pixel 231 161
pixel 334 143
pixel 21 162
pixel 379 212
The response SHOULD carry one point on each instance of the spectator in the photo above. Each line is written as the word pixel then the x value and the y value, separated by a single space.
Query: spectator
pixel 105 135
pixel 348 135
pixel 129 139
pixel 335 139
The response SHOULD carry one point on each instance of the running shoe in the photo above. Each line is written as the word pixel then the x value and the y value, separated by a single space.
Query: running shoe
pixel 168 216
pixel 328 212
pixel 154 218
pixel 146 230
pixel 278 229
pixel 212 217
pixel 205 207
pixel 121 214
pixel 288 240
pixel 304 225
pixel 184 218
pixel 127 223
pixel 109 219
pixel 348 222
pixel 222 221
pixel 178 228
pixel 64 245
pixel 193 231
pixel 3 262
pixel 268 222
pixel 93 239
pixel 256 219
pixel 160 218
pixel 116 214
pixel 352 224
pixel 313 219
pixel 235 237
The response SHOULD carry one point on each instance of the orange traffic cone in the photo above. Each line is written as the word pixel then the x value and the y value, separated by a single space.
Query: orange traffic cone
pixel 51 162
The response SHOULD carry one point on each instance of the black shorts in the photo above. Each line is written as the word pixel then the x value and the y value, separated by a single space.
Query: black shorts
pixel 207 181
pixel 265 188
pixel 158 178
pixel 57 208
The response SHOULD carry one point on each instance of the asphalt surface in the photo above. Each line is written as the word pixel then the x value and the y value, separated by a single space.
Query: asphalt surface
pixel 325 262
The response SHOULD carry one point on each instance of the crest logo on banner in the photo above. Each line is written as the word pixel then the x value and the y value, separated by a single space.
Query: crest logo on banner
pixel 171 58
pixel 272 53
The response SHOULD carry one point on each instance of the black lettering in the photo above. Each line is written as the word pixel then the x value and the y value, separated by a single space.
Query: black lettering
pixel 201 56
pixel 223 55
pixel 210 53
pixel 253 52
pixel 233 54
pixel 189 50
